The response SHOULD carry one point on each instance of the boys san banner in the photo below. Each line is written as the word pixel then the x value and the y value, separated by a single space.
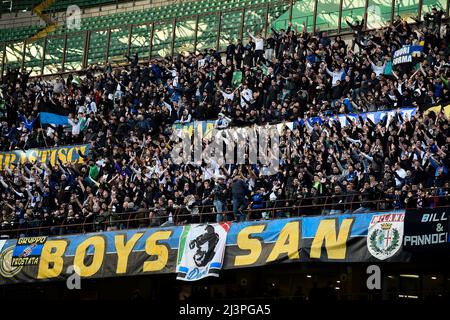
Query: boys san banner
pixel 192 252
pixel 67 154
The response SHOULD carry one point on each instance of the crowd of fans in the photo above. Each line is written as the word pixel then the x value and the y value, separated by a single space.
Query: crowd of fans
pixel 126 114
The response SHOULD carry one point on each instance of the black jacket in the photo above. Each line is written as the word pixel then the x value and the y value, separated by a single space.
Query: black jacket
pixel 239 189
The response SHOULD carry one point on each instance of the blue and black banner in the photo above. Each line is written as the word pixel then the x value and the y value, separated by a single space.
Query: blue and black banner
pixel 27 251
pixel 426 230
pixel 51 114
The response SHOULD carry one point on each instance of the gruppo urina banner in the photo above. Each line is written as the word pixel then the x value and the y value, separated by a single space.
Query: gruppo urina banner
pixel 369 237
pixel 67 154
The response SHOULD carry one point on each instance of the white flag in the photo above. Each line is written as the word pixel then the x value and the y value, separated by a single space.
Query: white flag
pixel 201 250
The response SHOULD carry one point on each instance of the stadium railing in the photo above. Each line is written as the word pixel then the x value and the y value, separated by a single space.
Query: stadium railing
pixel 276 209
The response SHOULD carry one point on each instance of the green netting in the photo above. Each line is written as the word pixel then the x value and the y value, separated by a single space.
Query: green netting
pixel 74 53
pixel 185 36
pixel 406 8
pixel 275 12
pixel 140 41
pixel 327 15
pixel 13 55
pixel 157 14
pixel 302 12
pixel 54 52
pixel 207 32
pixel 162 38
pixel 230 28
pixel 97 47
pixel 427 5
pixel 118 44
pixel 379 13
pixel 254 20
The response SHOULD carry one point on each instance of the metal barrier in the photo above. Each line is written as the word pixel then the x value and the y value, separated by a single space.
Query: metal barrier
pixel 282 208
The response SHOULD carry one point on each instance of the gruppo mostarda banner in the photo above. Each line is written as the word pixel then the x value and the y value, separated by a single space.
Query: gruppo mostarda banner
pixel 67 154
pixel 370 237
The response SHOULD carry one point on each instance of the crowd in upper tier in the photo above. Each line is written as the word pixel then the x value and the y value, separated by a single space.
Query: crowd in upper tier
pixel 127 113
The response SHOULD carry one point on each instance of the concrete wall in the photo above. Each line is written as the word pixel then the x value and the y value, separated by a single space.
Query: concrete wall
pixel 25 19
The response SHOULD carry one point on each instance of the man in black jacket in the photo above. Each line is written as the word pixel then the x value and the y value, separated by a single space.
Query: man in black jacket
pixel 434 19
pixel 239 190
pixel 238 54
pixel 220 198
pixel 231 51
pixel 357 28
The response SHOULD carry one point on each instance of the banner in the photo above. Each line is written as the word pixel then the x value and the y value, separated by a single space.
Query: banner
pixel 205 127
pixel 67 154
pixel 27 251
pixel 406 54
pixel 237 78
pixel 426 229
pixel 369 238
pixel 437 109
pixel 201 250
pixel 385 234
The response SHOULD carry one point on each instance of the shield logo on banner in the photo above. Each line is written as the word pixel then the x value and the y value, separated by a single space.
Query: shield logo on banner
pixel 385 235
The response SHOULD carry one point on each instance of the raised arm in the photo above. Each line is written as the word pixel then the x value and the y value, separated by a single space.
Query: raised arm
pixel 251 35
pixel 349 24
pixel 329 72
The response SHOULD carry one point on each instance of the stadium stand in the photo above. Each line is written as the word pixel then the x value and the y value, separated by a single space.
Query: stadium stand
pixel 332 119
pixel 124 81
pixel 13 6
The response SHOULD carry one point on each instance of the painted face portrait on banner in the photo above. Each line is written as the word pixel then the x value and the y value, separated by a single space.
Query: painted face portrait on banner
pixel 204 245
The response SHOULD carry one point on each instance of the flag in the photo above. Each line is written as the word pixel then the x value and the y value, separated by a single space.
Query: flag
pixel 76 80
pixel 50 113
pixel 237 78
pixel 264 69
pixel 201 250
